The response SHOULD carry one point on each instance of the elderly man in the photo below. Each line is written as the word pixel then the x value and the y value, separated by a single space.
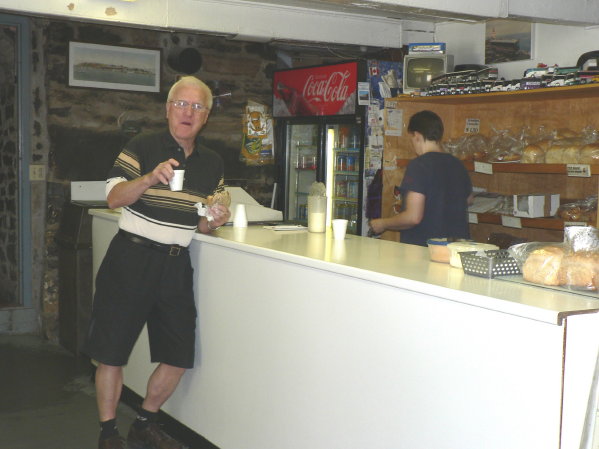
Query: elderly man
pixel 146 275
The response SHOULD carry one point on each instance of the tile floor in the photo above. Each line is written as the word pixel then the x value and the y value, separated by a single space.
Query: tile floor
pixel 47 397
pixel 47 400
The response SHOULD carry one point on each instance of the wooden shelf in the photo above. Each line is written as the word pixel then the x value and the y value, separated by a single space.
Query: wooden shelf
pixel 553 224
pixel 552 108
pixel 516 167
pixel 552 93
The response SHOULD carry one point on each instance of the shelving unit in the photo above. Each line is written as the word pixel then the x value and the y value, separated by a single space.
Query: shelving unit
pixel 346 175
pixel 573 107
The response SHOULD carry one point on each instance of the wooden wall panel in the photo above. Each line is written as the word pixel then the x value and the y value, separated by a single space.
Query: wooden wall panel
pixel 573 108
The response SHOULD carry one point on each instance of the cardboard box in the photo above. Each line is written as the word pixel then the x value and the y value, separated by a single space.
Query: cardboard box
pixel 536 205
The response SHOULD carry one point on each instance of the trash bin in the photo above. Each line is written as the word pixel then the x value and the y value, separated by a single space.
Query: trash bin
pixel 74 240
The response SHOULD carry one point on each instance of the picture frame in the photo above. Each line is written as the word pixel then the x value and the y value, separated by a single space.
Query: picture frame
pixel 114 67
pixel 508 40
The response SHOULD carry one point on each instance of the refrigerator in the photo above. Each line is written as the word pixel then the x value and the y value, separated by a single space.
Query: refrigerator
pixel 319 135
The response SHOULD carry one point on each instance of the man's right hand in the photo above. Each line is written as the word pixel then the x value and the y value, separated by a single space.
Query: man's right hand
pixel 163 172
pixel 128 192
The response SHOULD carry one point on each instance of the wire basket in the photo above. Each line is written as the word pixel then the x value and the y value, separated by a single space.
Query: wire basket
pixel 493 263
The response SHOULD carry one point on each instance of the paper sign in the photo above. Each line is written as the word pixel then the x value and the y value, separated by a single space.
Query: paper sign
pixel 473 218
pixel 363 94
pixel 483 167
pixel 579 170
pixel 511 222
pixel 394 122
pixel 472 126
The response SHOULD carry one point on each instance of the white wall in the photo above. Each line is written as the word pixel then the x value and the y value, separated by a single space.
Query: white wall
pixel 552 44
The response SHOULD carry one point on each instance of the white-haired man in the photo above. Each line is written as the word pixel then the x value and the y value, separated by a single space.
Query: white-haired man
pixel 146 275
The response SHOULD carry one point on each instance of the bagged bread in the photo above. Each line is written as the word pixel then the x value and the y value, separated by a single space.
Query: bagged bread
pixel 542 266
pixel 533 154
pixel 589 154
pixel 565 151
pixel 579 270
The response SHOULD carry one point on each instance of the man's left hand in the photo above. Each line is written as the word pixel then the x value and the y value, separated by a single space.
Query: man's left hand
pixel 221 215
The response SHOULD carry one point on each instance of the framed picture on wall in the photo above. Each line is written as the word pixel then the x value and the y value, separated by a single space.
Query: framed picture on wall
pixel 114 67
pixel 507 40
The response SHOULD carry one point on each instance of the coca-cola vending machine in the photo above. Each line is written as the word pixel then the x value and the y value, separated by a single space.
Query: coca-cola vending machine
pixel 319 134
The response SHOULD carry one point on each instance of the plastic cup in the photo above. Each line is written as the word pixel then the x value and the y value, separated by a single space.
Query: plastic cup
pixel 176 182
pixel 339 228
pixel 240 219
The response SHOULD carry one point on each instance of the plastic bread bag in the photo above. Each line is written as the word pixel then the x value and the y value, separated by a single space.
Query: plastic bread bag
pixel 503 147
pixel 477 147
pixel 580 265
pixel 572 264
pixel 221 196
pixel 584 211
pixel 539 262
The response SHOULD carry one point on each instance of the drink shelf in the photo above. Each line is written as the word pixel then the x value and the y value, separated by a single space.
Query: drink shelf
pixel 347 173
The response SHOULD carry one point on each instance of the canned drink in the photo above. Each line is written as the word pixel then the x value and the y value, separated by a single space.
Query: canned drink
pixel 341 162
pixel 351 163
pixel 352 189
pixel 341 188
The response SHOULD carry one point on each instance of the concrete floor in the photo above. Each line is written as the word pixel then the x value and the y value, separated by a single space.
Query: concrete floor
pixel 47 397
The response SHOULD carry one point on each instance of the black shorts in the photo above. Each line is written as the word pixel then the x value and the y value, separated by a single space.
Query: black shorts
pixel 136 285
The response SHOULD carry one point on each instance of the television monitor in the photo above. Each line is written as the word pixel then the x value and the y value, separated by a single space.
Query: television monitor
pixel 419 69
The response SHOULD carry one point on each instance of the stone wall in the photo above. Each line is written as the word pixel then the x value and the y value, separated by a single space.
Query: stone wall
pixel 8 170
pixel 77 130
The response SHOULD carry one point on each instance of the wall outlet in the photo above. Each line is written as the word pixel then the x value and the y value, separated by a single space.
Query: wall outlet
pixel 37 172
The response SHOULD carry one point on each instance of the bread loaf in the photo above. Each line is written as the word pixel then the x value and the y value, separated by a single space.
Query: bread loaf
pixel 564 133
pixel 545 144
pixel 554 155
pixel 542 266
pixel 533 154
pixel 571 154
pixel 589 154
pixel 579 270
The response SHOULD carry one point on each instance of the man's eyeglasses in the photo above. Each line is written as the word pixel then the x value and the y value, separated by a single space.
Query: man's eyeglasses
pixel 182 104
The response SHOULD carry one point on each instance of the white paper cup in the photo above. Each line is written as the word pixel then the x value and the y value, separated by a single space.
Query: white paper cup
pixel 176 181
pixel 339 228
pixel 240 219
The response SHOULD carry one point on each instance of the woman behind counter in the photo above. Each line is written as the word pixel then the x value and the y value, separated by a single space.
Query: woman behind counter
pixel 435 190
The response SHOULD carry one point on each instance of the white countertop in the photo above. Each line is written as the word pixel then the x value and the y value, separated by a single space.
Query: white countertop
pixel 398 265
pixel 403 266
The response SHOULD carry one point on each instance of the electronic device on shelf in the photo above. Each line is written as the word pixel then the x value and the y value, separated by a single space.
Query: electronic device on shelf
pixel 420 68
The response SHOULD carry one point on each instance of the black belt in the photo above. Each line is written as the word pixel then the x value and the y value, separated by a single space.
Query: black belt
pixel 171 250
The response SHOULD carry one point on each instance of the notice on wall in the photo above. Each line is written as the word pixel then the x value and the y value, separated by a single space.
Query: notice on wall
pixel 393 122
pixel 363 93
pixel 472 126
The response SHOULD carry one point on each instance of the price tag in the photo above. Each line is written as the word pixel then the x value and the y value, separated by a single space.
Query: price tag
pixel 472 218
pixel 483 167
pixel 579 170
pixel 575 223
pixel 472 126
pixel 511 222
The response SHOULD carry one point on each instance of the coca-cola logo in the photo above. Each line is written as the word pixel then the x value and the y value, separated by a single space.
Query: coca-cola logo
pixel 333 88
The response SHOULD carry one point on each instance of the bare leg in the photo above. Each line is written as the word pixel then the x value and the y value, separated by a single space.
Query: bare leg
pixel 109 384
pixel 161 385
